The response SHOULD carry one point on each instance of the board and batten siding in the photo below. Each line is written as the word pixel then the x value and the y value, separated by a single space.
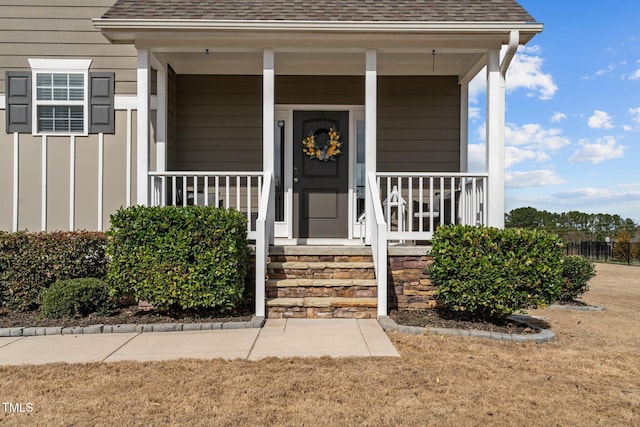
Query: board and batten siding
pixel 62 29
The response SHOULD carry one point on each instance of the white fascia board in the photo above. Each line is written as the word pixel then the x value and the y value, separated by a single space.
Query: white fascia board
pixel 3 102
pixel 132 25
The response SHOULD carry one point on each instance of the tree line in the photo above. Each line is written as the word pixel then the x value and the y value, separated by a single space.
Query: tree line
pixel 573 226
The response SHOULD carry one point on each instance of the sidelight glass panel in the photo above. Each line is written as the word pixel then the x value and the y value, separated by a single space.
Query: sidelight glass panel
pixel 360 169
pixel 278 172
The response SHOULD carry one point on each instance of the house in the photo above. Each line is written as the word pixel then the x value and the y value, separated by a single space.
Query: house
pixel 330 123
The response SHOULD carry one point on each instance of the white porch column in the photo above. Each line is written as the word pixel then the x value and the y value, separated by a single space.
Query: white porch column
pixel 268 111
pixel 464 127
pixel 371 125
pixel 268 126
pixel 142 140
pixel 495 140
pixel 161 120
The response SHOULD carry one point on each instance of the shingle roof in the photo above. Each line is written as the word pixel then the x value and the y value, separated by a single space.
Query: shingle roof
pixel 323 10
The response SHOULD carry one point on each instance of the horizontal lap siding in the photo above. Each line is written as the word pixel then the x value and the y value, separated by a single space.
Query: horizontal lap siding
pixel 61 30
pixel 218 123
pixel 331 90
pixel 418 124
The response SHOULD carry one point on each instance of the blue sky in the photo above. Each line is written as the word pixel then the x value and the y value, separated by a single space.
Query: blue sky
pixel 573 110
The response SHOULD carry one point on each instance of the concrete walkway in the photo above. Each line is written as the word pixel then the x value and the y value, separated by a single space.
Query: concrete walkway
pixel 278 338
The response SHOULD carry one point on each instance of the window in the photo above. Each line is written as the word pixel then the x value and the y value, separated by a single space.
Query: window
pixel 60 96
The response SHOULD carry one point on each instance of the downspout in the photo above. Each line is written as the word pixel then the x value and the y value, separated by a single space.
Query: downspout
pixel 514 41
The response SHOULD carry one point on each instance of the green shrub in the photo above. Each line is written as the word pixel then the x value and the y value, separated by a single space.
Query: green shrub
pixel 76 298
pixel 31 262
pixel 492 273
pixel 179 257
pixel 576 272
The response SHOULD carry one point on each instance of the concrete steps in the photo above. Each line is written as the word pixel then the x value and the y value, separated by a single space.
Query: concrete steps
pixel 321 282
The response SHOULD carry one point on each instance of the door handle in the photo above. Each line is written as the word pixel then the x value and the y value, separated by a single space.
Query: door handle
pixel 295 171
pixel 295 179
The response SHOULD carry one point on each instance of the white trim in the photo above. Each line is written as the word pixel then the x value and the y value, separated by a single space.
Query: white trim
pixel 161 121
pixel 59 66
pixel 142 140
pixel 16 177
pixel 371 125
pixel 464 127
pixel 43 199
pixel 3 102
pixel 128 159
pixel 357 232
pixel 268 110
pixel 100 179
pixel 323 26
pixel 495 141
pixel 72 182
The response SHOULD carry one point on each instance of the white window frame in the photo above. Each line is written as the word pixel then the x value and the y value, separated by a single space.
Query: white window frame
pixel 59 66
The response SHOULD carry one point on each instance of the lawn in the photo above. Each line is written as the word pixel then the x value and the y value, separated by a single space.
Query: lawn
pixel 590 375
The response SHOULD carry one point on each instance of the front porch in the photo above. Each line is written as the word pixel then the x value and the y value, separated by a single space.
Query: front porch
pixel 234 105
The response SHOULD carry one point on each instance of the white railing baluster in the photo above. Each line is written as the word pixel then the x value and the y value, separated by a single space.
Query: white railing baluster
pixel 466 191
pixel 205 191
pixel 227 197
pixel 238 194
pixel 249 202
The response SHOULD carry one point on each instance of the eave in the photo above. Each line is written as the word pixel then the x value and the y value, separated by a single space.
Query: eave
pixel 131 30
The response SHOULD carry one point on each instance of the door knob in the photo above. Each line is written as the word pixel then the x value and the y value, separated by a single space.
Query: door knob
pixel 295 179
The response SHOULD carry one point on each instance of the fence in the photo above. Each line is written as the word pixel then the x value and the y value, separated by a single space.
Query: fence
pixel 619 252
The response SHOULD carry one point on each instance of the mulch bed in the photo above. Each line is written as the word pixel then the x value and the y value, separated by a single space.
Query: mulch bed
pixel 437 318
pixel 125 315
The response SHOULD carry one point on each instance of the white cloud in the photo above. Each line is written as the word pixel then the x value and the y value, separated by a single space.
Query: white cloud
pixel 525 72
pixel 474 113
pixel 600 120
pixel 623 199
pixel 627 128
pixel 529 142
pixel 476 158
pixel 557 116
pixel 636 75
pixel 603 149
pixel 535 135
pixel 601 72
pixel 635 114
pixel 534 178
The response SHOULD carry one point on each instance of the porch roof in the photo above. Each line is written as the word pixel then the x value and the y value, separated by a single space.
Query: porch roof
pixel 324 10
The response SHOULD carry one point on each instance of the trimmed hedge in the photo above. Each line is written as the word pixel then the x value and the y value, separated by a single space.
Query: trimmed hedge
pixel 576 272
pixel 76 298
pixel 31 262
pixel 179 257
pixel 492 273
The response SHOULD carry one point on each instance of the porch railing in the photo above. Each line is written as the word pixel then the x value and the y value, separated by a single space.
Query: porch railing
pixel 378 244
pixel 239 190
pixel 264 238
pixel 414 204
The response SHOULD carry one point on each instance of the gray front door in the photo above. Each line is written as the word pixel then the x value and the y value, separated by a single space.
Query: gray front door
pixel 320 187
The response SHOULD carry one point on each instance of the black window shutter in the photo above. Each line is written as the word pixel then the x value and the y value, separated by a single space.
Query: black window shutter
pixel 101 111
pixel 18 99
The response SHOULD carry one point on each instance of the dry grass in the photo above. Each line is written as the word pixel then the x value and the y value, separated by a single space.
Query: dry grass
pixel 589 376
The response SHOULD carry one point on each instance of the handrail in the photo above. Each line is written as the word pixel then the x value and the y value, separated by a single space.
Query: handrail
pixel 203 173
pixel 378 244
pixel 264 236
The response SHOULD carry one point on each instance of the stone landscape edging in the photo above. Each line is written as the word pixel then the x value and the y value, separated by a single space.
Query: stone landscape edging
pixel 543 335
pixel 577 307
pixel 255 322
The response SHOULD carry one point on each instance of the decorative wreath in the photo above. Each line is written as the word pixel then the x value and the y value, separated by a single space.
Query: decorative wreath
pixel 331 149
